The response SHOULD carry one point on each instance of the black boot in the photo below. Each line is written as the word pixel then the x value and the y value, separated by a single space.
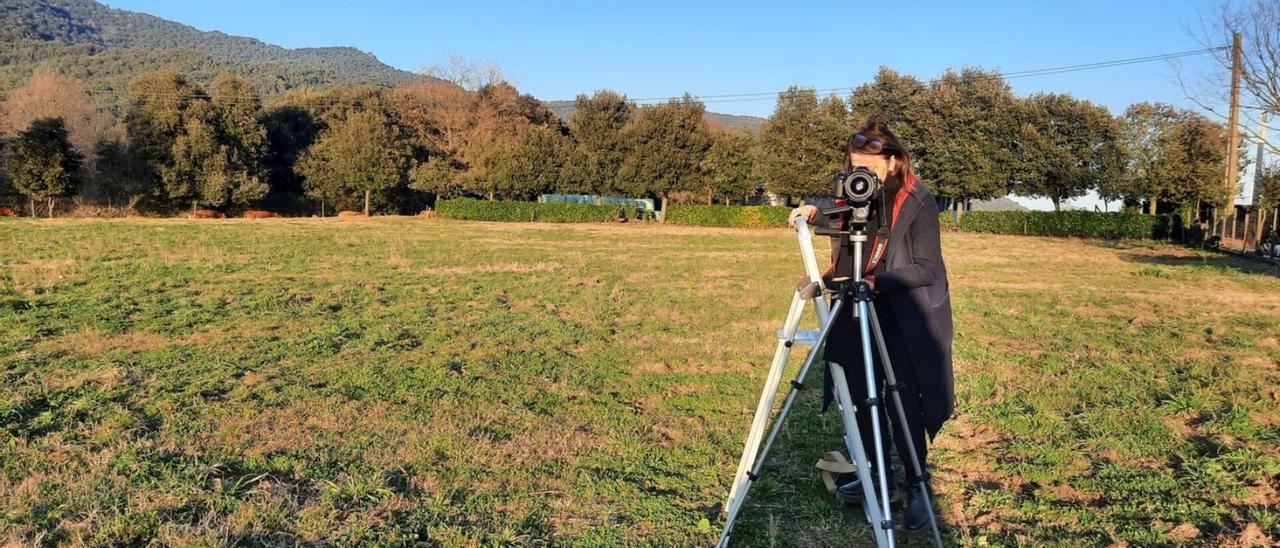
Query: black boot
pixel 916 517
pixel 851 493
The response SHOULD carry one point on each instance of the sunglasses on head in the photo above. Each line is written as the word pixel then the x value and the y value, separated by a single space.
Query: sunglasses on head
pixel 868 145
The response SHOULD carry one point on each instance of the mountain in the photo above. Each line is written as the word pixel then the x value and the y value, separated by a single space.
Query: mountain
pixel 106 47
pixel 731 122
pixel 737 122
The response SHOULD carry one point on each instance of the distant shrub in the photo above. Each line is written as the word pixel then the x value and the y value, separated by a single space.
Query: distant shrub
pixel 944 222
pixel 515 211
pixel 729 215
pixel 1084 224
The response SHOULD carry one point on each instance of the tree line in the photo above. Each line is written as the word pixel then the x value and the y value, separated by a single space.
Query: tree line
pixel 179 145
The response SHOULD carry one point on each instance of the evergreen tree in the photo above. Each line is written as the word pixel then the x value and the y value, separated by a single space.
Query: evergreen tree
pixel 1173 155
pixel 665 147
pixel 1068 147
pixel 729 167
pixel 796 159
pixel 597 127
pixel 970 140
pixel 44 165
pixel 1146 133
pixel 155 118
pixel 361 155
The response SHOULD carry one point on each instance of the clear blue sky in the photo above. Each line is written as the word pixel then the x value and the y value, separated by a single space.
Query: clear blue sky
pixel 659 48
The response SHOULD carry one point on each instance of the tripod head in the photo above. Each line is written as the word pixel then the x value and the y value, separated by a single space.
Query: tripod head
pixel 850 235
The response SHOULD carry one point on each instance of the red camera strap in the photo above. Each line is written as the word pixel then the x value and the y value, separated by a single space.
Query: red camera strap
pixel 878 245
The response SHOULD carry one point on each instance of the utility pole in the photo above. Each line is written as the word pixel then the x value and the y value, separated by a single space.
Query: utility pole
pixel 1233 129
pixel 1256 200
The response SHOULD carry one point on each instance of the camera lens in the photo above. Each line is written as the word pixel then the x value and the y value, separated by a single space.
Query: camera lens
pixel 861 185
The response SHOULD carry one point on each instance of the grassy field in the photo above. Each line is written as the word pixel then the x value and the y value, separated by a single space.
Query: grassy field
pixel 400 380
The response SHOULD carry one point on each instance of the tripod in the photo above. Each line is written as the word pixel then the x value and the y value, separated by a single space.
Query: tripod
pixel 875 505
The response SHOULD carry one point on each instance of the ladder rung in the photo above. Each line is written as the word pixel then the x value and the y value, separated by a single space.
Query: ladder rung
pixel 803 336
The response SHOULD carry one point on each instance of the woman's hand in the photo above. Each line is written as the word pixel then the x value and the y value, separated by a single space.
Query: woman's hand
pixel 806 211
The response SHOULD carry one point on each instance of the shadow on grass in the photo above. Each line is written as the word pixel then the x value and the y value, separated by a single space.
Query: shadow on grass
pixel 1206 260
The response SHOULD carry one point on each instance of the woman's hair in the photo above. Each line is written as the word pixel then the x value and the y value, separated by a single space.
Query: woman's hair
pixel 876 128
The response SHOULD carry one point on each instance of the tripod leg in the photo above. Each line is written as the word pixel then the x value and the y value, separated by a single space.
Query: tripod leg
pixel 853 440
pixel 765 407
pixel 873 407
pixel 916 465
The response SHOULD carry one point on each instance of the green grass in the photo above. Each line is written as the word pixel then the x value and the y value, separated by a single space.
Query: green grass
pixel 400 380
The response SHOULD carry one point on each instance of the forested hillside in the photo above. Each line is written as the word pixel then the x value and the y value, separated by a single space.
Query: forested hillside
pixel 105 48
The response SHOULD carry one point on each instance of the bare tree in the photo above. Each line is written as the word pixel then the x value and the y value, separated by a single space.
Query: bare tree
pixel 1258 22
pixel 50 94
pixel 468 74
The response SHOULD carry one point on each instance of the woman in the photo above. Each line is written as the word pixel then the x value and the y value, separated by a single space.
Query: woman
pixel 912 302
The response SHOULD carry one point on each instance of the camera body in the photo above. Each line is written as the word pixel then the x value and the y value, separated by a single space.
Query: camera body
pixel 858 185
pixel 859 189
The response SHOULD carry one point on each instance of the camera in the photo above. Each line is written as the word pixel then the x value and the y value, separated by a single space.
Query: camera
pixel 859 190
pixel 857 186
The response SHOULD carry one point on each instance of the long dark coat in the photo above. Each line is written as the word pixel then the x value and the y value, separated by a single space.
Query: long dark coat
pixel 912 283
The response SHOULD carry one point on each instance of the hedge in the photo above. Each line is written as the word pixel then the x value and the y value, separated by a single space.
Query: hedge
pixel 729 215
pixel 470 209
pixel 1084 224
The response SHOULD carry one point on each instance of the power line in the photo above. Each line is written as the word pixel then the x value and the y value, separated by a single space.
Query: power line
pixel 766 95
pixel 753 96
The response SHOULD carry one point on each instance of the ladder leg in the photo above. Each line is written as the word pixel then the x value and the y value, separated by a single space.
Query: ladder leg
pixel 765 407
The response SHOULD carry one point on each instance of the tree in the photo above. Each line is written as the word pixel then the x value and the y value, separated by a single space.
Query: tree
pixel 155 118
pixel 665 147
pixel 796 158
pixel 237 110
pixel 539 162
pixel 462 139
pixel 903 101
pixel 45 165
pixel 8 194
pixel 1258 23
pixel 500 118
pixel 437 175
pixel 834 124
pixel 596 126
pixel 289 129
pixel 535 164
pixel 1068 146
pixel 729 167
pixel 51 94
pixel 1145 131
pixel 203 148
pixel 192 160
pixel 1197 161
pixel 1173 155
pixel 362 154
pixel 1269 185
pixel 235 175
pixel 972 135
pixel 116 172
pixel 466 74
